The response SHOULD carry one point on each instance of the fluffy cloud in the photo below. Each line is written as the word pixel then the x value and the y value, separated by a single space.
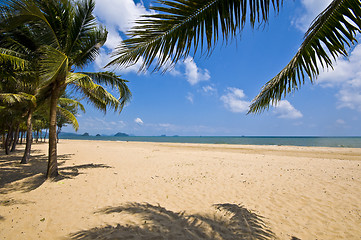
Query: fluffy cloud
pixel 117 16
pixel 234 100
pixel 346 76
pixel 311 10
pixel 139 121
pixel 120 14
pixel 193 73
pixel 284 109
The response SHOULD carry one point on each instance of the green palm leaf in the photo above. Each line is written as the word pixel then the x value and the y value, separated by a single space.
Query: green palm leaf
pixel 327 38
pixel 96 94
pixel 11 98
pixel 182 25
pixel 83 22
pixel 53 64
pixel 115 82
pixel 19 12
pixel 87 49
pixel 15 59
pixel 68 101
pixel 69 116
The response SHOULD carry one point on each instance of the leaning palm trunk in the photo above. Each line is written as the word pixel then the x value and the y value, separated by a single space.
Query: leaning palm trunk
pixel 52 171
pixel 29 138
pixel 16 139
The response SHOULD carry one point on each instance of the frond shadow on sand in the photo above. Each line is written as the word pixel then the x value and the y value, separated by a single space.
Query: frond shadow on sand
pixel 229 221
pixel 27 177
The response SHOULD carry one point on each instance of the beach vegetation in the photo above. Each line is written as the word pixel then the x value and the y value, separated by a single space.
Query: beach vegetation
pixel 179 28
pixel 65 38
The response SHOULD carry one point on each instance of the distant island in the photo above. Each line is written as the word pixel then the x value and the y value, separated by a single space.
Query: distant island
pixel 98 135
pixel 85 134
pixel 120 134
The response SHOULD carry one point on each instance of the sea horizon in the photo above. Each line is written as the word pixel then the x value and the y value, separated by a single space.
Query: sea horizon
pixel 311 141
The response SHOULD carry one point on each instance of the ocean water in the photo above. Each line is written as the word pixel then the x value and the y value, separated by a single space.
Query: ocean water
pixel 351 142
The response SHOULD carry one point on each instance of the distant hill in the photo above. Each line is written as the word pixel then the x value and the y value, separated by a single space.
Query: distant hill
pixel 85 134
pixel 120 134
pixel 98 135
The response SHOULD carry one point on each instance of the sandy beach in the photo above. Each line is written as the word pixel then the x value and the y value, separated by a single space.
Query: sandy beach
pixel 134 190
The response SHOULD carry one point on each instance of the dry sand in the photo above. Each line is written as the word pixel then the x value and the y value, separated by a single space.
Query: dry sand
pixel 131 190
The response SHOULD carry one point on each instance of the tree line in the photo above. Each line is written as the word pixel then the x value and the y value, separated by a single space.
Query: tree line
pixel 44 46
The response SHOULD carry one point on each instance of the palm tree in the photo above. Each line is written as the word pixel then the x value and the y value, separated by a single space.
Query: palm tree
pixel 68 38
pixel 184 26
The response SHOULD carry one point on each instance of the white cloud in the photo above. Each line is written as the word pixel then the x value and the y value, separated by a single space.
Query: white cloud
pixel 347 77
pixel 139 121
pixel 284 109
pixel 117 15
pixel 209 90
pixel 190 97
pixel 233 100
pixel 312 8
pixel 193 73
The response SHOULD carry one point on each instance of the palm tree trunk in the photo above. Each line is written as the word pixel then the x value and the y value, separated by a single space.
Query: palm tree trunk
pixel 3 141
pixel 57 134
pixel 21 137
pixel 16 138
pixel 8 140
pixel 29 138
pixel 52 162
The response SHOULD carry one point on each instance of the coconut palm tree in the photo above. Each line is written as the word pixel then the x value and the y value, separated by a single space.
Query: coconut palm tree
pixel 183 26
pixel 67 39
pixel 17 87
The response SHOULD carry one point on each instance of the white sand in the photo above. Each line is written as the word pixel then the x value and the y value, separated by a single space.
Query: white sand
pixel 130 190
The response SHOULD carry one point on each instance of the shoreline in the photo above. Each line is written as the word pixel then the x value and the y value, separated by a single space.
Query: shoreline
pixel 306 141
pixel 144 189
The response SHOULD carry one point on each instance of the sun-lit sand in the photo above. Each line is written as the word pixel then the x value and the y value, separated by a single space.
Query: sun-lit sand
pixel 131 190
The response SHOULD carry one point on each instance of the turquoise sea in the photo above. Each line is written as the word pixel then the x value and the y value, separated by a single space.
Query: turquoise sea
pixel 352 142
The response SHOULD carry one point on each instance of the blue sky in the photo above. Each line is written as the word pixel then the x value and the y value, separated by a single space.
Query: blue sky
pixel 209 96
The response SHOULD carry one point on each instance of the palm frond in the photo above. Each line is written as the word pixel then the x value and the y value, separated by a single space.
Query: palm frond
pixel 87 48
pixel 53 64
pixel 69 116
pixel 83 22
pixel 20 12
pixel 11 98
pixel 182 25
pixel 96 94
pixel 115 82
pixel 326 39
pixel 13 58
pixel 68 101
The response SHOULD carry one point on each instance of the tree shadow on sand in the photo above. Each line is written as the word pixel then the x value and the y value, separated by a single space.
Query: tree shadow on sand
pixel 73 171
pixel 27 177
pixel 229 221
pixel 22 177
